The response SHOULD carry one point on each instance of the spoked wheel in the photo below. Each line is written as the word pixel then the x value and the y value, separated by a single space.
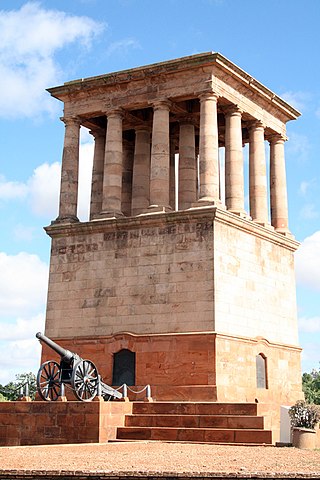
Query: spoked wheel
pixel 48 381
pixel 85 380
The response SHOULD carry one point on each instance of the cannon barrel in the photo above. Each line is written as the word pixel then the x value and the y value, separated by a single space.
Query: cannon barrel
pixel 64 354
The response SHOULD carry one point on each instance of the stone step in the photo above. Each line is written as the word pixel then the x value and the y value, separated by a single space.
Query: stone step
pixel 205 435
pixel 195 421
pixel 180 408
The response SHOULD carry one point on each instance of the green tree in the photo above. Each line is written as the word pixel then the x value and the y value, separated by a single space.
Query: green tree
pixel 11 391
pixel 311 386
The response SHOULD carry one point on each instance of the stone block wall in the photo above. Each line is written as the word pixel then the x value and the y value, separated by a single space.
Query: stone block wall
pixel 177 366
pixel 254 282
pixel 136 275
pixel 44 423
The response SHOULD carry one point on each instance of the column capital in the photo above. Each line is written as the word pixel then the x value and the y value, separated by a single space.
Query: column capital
pixel 115 112
pixel 187 120
pixel 233 110
pixel 72 120
pixel 143 128
pixel 161 104
pixel 97 132
pixel 277 138
pixel 256 125
pixel 213 96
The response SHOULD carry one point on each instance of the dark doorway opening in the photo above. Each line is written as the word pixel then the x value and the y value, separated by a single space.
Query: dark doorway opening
pixel 124 368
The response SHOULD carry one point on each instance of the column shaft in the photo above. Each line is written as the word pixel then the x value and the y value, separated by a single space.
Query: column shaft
pixel 172 174
pixel 141 172
pixel 127 172
pixel 112 178
pixel 209 149
pixel 160 158
pixel 257 175
pixel 234 178
pixel 69 172
pixel 97 173
pixel 187 166
pixel 278 185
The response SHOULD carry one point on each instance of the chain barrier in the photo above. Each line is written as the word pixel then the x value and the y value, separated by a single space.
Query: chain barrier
pixel 23 390
pixel 125 389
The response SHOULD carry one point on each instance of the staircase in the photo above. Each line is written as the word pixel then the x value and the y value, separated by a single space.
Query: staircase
pixel 223 423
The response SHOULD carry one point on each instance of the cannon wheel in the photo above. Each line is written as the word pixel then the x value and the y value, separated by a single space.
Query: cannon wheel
pixel 48 381
pixel 85 380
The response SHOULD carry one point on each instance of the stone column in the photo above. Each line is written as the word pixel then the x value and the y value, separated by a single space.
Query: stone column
pixel 127 172
pixel 141 171
pixel 187 166
pixel 69 172
pixel 112 177
pixel 172 174
pixel 234 178
pixel 160 158
pixel 209 150
pixel 278 185
pixel 97 173
pixel 257 175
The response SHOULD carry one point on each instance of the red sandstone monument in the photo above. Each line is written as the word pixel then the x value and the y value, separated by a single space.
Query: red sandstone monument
pixel 172 282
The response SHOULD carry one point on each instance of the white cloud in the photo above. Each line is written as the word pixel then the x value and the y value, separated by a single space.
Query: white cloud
pixel 310 355
pixel 306 186
pixel 298 99
pixel 20 356
pixel 43 189
pixel 309 212
pixel 11 190
pixel 23 284
pixel 309 325
pixel 122 47
pixel 22 328
pixel 298 147
pixel 24 233
pixel 29 39
pixel 307 262
pixel 23 288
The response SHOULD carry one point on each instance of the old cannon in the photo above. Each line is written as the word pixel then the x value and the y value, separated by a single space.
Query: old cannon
pixel 80 375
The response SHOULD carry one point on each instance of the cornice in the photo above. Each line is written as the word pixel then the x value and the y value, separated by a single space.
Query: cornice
pixel 174 66
pixel 204 214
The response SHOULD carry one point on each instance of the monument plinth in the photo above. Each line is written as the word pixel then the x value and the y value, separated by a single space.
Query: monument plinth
pixel 172 282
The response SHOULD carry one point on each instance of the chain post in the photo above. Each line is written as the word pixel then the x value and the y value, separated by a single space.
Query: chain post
pixel 99 389
pixel 62 390
pixel 124 390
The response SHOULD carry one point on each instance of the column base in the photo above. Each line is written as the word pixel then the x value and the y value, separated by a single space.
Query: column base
pixel 208 202
pixel 157 209
pixel 263 224
pixel 108 215
pixel 284 232
pixel 65 219
pixel 241 214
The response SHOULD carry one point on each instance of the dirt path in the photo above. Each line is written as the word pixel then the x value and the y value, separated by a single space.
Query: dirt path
pixel 161 458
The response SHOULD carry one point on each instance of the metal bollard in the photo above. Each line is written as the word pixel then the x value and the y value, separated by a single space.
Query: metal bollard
pixel 124 390
pixel 99 390
pixel 148 392
pixel 62 392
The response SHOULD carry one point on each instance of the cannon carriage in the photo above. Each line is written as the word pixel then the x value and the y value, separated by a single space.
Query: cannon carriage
pixel 80 375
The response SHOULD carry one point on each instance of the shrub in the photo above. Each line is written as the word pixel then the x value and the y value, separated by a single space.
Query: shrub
pixel 304 415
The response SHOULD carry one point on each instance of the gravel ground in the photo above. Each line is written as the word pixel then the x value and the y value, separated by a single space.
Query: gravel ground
pixel 161 458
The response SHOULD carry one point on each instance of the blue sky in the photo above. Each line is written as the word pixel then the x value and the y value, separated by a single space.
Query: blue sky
pixel 45 43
